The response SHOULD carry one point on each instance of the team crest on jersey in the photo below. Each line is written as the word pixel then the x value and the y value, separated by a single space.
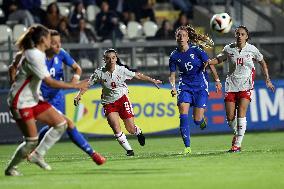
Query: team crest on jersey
pixel 55 60
pixel 192 56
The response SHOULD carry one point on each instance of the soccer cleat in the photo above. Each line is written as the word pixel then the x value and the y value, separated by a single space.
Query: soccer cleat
pixel 234 140
pixel 37 159
pixel 186 151
pixel 141 139
pixel 12 172
pixel 235 149
pixel 203 125
pixel 98 158
pixel 129 153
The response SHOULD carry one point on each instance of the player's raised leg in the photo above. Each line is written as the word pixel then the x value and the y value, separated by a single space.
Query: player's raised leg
pixel 78 139
pixel 113 121
pixel 134 129
pixel 29 130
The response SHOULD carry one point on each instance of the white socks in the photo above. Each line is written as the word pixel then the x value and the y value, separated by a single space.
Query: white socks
pixel 137 130
pixel 241 129
pixel 233 125
pixel 122 140
pixel 50 138
pixel 22 151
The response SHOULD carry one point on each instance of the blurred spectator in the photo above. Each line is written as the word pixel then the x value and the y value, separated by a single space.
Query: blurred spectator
pixel 89 2
pixel 185 6
pixel 143 9
pixel 181 21
pixel 33 6
pixel 16 16
pixel 106 23
pixel 64 30
pixel 78 13
pixel 84 34
pixel 165 32
pixel 52 17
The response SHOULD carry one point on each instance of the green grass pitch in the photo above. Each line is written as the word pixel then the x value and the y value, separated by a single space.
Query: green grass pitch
pixel 158 165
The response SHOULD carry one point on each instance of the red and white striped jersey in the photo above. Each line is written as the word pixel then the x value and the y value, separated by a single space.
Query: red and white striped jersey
pixel 25 91
pixel 113 84
pixel 240 66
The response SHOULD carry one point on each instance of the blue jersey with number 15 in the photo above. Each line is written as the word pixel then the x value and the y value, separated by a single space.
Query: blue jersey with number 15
pixel 190 65
pixel 55 68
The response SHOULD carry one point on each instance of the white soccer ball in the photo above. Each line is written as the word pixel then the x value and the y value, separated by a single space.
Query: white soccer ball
pixel 221 22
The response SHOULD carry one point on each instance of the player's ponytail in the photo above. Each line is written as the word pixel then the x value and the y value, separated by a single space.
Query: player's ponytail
pixel 31 37
pixel 196 38
pixel 199 39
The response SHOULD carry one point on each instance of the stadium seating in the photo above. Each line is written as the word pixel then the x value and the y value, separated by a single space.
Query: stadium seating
pixel 85 63
pixel 6 32
pixel 3 67
pixel 18 30
pixel 150 28
pixel 134 30
pixel 123 28
pixel 92 11
pixel 64 11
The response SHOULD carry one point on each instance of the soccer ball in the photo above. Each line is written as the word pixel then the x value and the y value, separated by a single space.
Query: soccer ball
pixel 221 22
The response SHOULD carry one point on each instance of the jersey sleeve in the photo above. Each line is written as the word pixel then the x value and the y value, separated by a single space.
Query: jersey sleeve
pixel 67 59
pixel 172 64
pixel 257 54
pixel 36 63
pixel 202 55
pixel 128 73
pixel 94 78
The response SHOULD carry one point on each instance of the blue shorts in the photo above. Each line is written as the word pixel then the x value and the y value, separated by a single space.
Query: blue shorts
pixel 58 102
pixel 196 99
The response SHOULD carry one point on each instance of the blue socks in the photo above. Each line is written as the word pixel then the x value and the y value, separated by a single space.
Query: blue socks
pixel 184 129
pixel 78 139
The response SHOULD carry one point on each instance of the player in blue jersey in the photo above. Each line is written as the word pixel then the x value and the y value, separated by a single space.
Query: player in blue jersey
pixel 190 59
pixel 56 59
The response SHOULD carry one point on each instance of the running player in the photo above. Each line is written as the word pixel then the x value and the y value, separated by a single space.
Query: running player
pixel 25 100
pixel 240 56
pixel 56 57
pixel 114 97
pixel 193 80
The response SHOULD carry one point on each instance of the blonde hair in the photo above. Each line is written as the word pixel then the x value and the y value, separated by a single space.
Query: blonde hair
pixel 196 38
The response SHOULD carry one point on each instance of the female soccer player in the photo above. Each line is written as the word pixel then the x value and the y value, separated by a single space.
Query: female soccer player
pixel 239 82
pixel 193 80
pixel 56 56
pixel 114 97
pixel 25 100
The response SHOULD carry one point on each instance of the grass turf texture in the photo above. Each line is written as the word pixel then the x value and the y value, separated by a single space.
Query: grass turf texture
pixel 158 165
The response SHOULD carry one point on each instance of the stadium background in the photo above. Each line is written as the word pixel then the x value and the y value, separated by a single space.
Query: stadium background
pixel 140 45
pixel 158 163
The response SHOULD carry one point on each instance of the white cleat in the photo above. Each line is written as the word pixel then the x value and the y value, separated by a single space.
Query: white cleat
pixel 12 172
pixel 38 160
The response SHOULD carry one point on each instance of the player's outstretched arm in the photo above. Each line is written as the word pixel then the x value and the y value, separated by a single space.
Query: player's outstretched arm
pixel 216 78
pixel 63 85
pixel 78 97
pixel 266 75
pixel 77 73
pixel 172 80
pixel 143 77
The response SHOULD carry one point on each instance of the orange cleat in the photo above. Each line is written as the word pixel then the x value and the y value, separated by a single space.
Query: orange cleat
pixel 98 158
